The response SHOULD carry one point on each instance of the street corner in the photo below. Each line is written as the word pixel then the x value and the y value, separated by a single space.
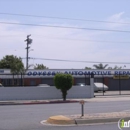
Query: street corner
pixel 60 120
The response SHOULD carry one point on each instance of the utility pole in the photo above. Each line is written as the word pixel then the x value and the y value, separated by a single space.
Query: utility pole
pixel 29 41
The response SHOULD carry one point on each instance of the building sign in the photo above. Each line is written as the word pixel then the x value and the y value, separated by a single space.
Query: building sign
pixel 77 72
pixel 121 77
pixel 1 71
pixel 4 71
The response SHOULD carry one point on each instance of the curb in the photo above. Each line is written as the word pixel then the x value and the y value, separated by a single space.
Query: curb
pixel 37 102
pixel 60 120
pixel 88 119
pixel 96 121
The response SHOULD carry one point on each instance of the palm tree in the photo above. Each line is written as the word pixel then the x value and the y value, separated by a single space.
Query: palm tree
pixel 40 66
pixel 100 66
pixel 115 67
pixel 88 68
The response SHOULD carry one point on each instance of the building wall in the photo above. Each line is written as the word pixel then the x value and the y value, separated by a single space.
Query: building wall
pixel 113 84
pixel 40 93
pixel 36 77
pixel 50 81
pixel 123 84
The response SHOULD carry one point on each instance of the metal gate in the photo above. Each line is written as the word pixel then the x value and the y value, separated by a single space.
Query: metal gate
pixel 117 85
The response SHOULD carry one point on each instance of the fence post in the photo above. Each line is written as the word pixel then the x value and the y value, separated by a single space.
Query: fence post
pixel 103 84
pixel 85 80
pixel 92 84
pixel 21 80
pixel 119 85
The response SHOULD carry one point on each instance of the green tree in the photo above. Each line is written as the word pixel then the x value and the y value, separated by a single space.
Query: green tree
pixel 13 63
pixel 40 66
pixel 64 83
pixel 100 66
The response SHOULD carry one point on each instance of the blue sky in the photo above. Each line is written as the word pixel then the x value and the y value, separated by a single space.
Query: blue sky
pixel 68 44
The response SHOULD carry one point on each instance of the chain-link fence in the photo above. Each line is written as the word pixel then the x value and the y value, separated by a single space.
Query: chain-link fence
pixel 112 85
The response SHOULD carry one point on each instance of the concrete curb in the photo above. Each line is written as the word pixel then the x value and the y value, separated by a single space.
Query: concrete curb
pixel 36 102
pixel 96 121
pixel 88 119
pixel 60 120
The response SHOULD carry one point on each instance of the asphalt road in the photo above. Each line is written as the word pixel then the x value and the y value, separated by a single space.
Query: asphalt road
pixel 85 127
pixel 28 117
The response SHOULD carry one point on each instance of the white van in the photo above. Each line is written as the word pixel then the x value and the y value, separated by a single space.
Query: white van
pixel 1 85
pixel 43 85
pixel 100 87
pixel 97 86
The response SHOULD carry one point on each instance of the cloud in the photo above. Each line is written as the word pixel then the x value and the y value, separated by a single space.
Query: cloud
pixel 117 18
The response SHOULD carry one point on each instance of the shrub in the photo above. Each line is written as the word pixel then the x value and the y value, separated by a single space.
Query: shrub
pixel 64 83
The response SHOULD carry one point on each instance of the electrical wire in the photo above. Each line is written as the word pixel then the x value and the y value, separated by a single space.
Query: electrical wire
pixel 78 61
pixel 70 39
pixel 63 18
pixel 65 27
pixel 103 41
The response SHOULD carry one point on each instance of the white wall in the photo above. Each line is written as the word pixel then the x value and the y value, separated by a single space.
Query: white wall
pixel 41 93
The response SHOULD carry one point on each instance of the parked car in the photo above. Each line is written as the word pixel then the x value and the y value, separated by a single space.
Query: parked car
pixel 97 86
pixel 43 85
pixel 1 85
pixel 100 87
pixel 80 84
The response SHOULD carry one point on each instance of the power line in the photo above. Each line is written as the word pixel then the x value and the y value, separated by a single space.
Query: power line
pixel 78 61
pixel 70 39
pixel 66 27
pixel 103 41
pixel 63 18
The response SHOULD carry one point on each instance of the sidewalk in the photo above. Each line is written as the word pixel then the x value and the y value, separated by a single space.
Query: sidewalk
pixel 95 99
